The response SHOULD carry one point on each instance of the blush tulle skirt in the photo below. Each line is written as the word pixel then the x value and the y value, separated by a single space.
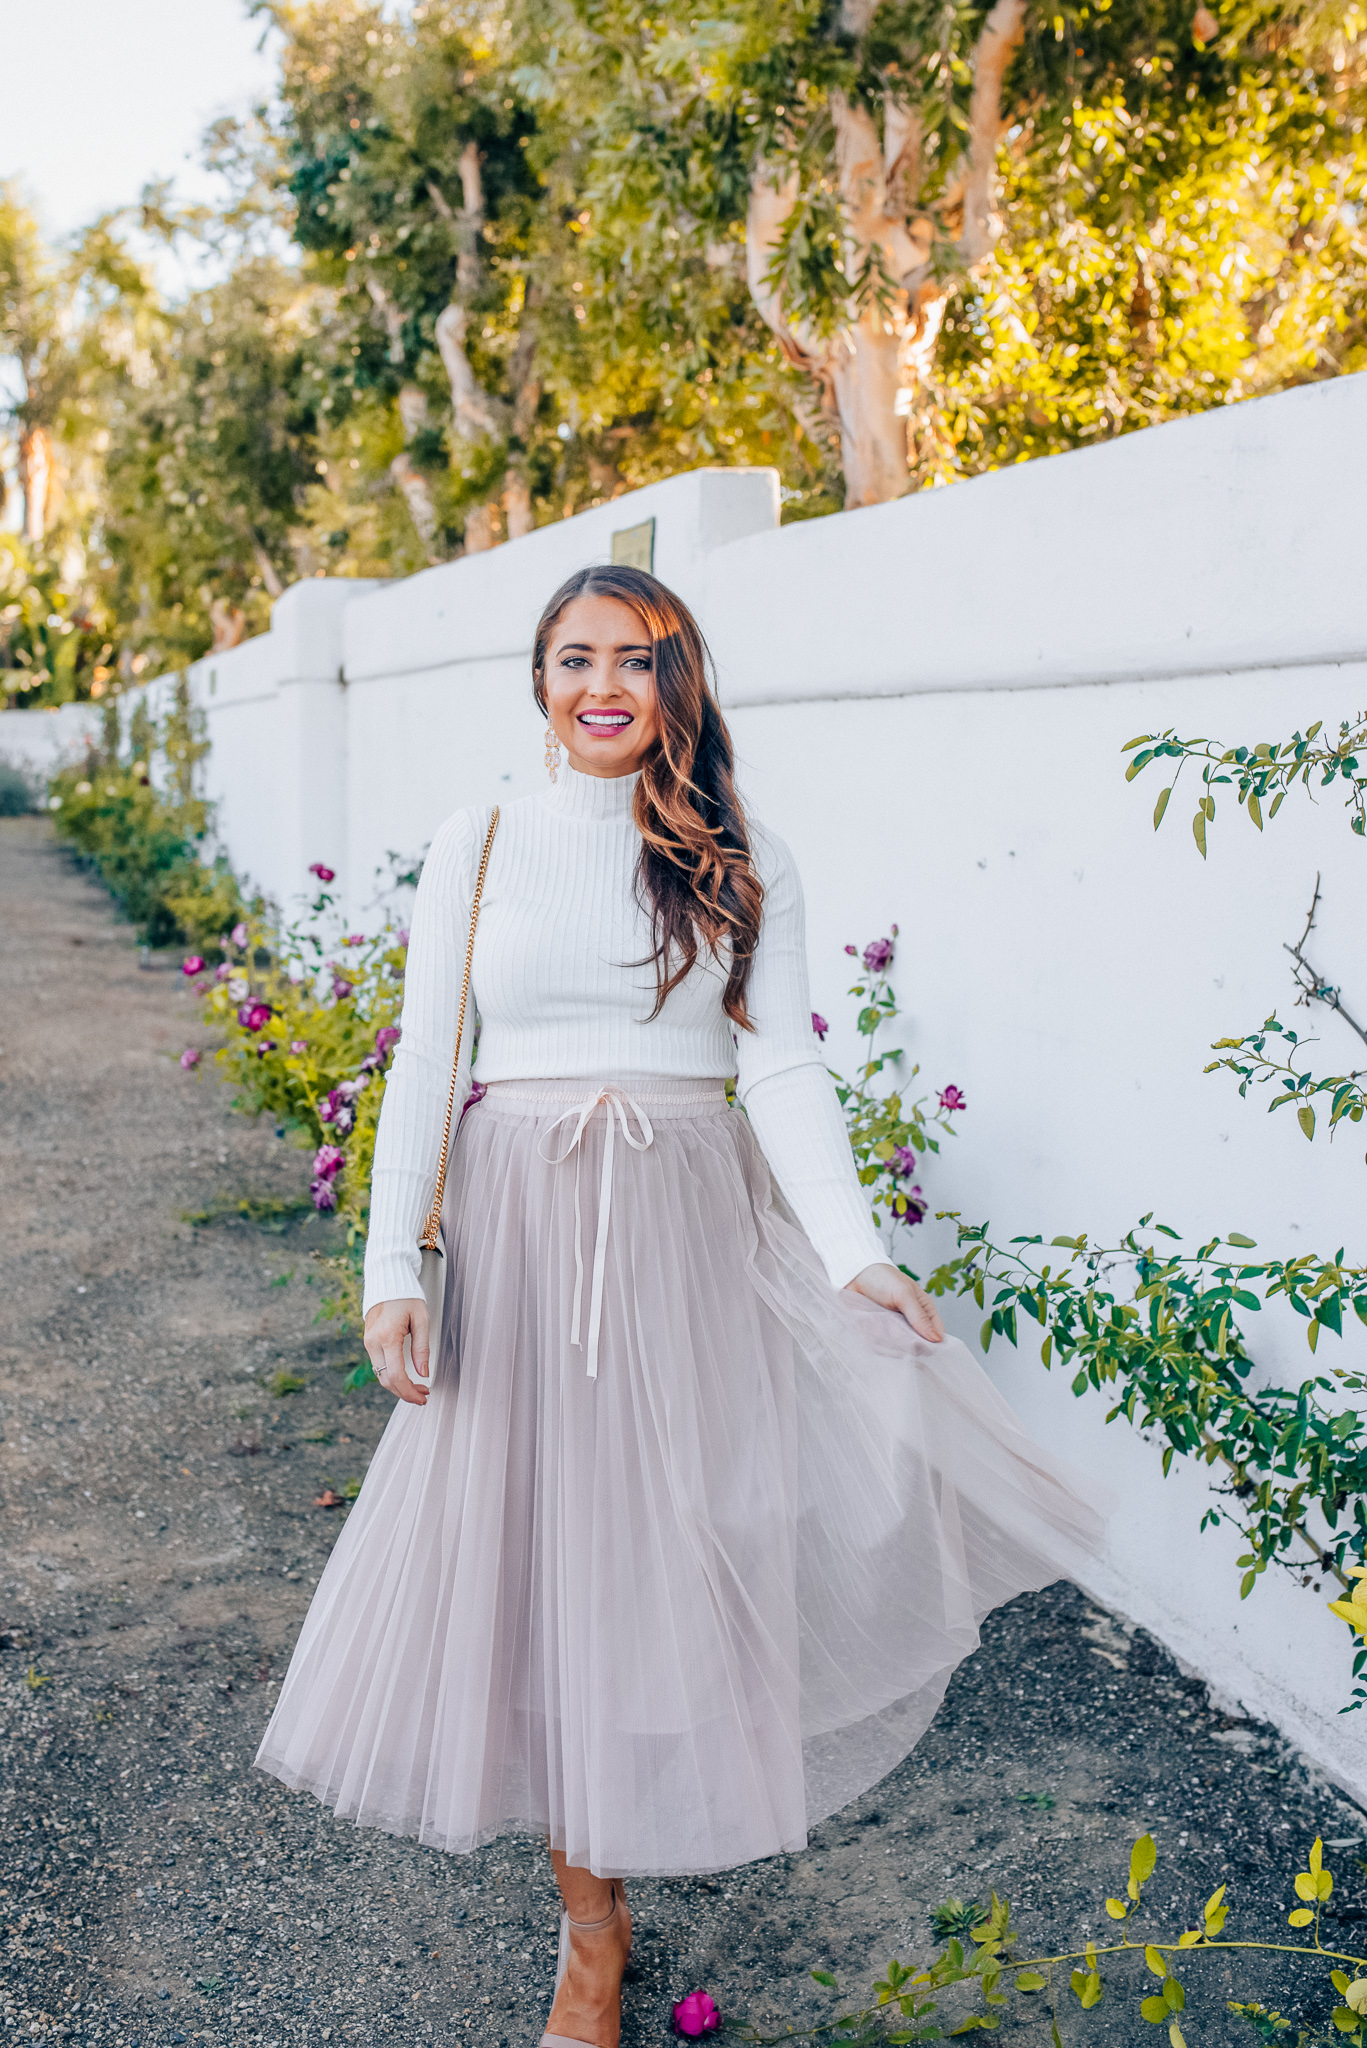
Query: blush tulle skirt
pixel 671 1612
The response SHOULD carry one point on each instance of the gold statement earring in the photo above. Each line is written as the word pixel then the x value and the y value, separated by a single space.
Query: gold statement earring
pixel 552 750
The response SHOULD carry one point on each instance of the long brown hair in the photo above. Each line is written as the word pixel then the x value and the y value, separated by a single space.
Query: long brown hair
pixel 695 877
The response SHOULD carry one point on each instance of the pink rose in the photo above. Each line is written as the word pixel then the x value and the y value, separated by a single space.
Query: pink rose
pixel 819 1024
pixel 238 934
pixel 328 1162
pixel 952 1098
pixel 192 965
pixel 386 1038
pixel 696 2014
pixel 254 1016
pixel 189 1058
pixel 323 874
pixel 299 1045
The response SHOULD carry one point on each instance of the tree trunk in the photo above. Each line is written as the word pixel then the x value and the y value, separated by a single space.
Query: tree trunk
pixel 481 530
pixel 517 505
pixel 35 481
pixel 873 376
pixel 417 492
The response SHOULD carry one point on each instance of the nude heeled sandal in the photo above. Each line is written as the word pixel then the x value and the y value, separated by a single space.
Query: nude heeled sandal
pixel 563 1963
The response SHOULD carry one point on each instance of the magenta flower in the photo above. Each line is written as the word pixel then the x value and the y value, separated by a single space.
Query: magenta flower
pixel 851 949
pixel 328 1162
pixel 222 971
pixel 254 1016
pixel 371 1064
pixel 324 1195
pixel 341 988
pixel 189 1058
pixel 323 874
pixel 238 935
pixel 192 965
pixel 952 1098
pixel 904 1161
pixel 819 1024
pixel 478 1091
pixel 337 1106
pixel 264 1046
pixel 299 1045
pixel 696 2014
pixel 878 956
pixel 386 1038
pixel 909 1205
pixel 354 939
pixel 401 935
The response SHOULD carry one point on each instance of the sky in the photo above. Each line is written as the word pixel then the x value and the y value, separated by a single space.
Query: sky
pixel 105 95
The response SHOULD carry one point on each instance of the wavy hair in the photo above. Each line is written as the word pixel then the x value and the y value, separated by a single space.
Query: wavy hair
pixel 695 878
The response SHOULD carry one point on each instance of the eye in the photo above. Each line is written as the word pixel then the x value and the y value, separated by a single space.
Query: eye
pixel 637 661
pixel 574 661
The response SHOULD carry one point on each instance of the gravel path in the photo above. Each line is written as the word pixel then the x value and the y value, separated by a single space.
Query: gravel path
pixel 160 1540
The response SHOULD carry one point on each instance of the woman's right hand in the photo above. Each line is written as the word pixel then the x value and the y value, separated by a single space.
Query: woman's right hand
pixel 386 1326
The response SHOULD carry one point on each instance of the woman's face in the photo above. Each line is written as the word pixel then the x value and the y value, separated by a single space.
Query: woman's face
pixel 600 686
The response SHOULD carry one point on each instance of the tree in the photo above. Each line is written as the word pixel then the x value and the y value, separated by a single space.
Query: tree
pixel 896 167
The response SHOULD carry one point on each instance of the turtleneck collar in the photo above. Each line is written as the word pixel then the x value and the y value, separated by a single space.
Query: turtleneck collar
pixel 591 796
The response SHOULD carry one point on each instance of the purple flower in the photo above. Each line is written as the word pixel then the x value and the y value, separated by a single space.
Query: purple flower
pixel 696 2014
pixel 909 1205
pixel 264 1046
pixel 238 935
pixel 851 949
pixel 324 1195
pixel 401 935
pixel 190 1058
pixel 878 956
pixel 299 1045
pixel 222 971
pixel 328 1162
pixel 819 1024
pixel 952 1098
pixel 341 988
pixel 478 1091
pixel 354 939
pixel 371 1064
pixel 323 874
pixel 904 1161
pixel 386 1038
pixel 337 1108
pixel 254 1016
pixel 192 965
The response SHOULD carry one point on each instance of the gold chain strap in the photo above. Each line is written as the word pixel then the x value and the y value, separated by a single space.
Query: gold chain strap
pixel 432 1227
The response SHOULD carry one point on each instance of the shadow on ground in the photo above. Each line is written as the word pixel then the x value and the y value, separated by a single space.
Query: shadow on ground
pixel 160 1541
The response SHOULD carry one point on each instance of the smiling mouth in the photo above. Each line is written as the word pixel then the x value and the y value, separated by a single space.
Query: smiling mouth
pixel 605 721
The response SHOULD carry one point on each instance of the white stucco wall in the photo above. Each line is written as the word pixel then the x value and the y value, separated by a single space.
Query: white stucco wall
pixel 929 701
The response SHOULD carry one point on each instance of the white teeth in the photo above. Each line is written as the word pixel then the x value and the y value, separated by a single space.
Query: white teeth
pixel 604 718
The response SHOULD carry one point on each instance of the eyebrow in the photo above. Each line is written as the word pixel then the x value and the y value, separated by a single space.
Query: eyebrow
pixel 588 647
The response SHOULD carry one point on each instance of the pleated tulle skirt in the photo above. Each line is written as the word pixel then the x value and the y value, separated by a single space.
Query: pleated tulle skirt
pixel 674 1610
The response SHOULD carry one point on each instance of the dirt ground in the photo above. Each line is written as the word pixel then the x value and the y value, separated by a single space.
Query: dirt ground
pixel 160 1541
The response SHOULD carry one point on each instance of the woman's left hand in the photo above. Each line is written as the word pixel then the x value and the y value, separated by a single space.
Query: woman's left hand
pixel 890 1287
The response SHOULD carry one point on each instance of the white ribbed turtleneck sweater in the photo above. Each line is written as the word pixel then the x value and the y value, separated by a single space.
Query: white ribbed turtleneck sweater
pixel 558 998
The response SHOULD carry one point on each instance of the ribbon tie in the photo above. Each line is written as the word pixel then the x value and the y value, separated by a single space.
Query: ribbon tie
pixel 617 1105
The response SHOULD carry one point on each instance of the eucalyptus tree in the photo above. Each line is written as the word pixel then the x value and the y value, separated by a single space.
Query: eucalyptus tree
pixel 1187 178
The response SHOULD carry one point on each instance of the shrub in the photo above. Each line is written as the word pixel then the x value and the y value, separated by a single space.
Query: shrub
pixel 17 793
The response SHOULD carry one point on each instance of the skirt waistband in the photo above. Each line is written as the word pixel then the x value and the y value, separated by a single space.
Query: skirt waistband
pixel 660 1095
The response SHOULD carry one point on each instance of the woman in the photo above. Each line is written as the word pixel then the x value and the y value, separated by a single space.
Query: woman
pixel 677 1550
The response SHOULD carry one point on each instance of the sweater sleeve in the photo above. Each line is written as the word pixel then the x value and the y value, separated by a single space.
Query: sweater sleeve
pixel 408 1138
pixel 785 1088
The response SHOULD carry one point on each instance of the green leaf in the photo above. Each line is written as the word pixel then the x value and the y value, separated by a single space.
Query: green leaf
pixel 1174 1994
pixel 1161 806
pixel 825 1977
pixel 1155 2011
pixel 1030 1980
pixel 1301 1917
pixel 1154 1958
pixel 1198 828
pixel 1117 1909
pixel 1305 1117
pixel 1255 810
pixel 1142 741
pixel 1143 1857
pixel 1247 1244
pixel 1139 761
